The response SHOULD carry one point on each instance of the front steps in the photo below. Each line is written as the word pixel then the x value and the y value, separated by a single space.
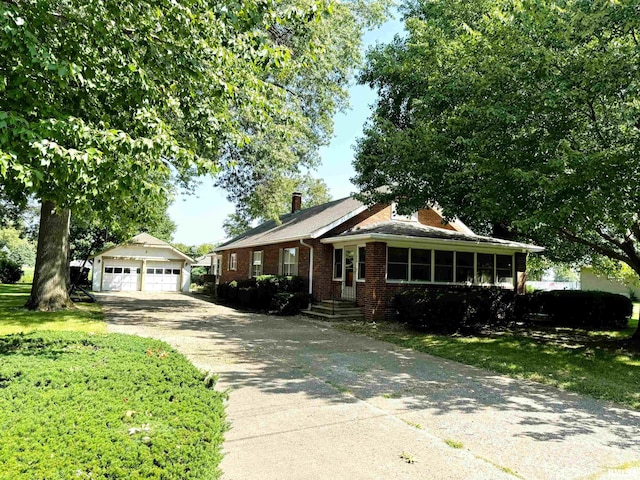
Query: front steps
pixel 332 310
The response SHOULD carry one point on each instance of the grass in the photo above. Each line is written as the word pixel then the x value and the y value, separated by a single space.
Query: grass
pixel 27 275
pixel 573 360
pixel 453 443
pixel 86 317
pixel 76 405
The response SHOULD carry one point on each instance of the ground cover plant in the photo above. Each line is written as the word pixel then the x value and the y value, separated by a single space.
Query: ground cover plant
pixel 14 318
pixel 76 405
pixel 583 361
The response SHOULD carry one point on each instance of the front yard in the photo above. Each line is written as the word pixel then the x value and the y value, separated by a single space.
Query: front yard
pixel 573 360
pixel 86 404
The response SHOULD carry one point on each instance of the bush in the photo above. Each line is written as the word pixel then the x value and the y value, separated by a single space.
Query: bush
pixel 259 293
pixel 197 275
pixel 105 406
pixel 10 271
pixel 579 309
pixel 454 309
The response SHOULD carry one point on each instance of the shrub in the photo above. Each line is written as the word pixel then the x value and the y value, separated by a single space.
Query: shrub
pixel 105 406
pixel 580 309
pixel 197 275
pixel 453 309
pixel 10 271
pixel 259 293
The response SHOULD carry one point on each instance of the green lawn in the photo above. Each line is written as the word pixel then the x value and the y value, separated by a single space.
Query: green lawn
pixel 79 405
pixel 27 275
pixel 86 317
pixel 573 360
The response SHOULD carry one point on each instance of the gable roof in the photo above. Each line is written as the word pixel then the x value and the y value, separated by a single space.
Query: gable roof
pixel 393 229
pixel 310 222
pixel 145 240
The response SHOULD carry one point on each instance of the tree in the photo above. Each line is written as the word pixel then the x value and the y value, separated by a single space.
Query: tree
pixel 524 115
pixel 107 102
pixel 21 249
pixel 250 208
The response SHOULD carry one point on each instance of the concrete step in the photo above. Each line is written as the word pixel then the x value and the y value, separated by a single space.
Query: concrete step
pixel 329 317
pixel 322 308
pixel 338 303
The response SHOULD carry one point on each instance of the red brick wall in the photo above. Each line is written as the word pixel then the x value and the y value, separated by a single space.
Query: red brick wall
pixel 375 281
pixel 270 259
pixel 431 218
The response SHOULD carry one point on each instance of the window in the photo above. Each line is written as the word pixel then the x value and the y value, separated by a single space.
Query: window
pixel 337 263
pixel 138 271
pixel 420 265
pixel 150 271
pixel 167 271
pixel 176 271
pixel 217 268
pixel 362 254
pixel 117 270
pixel 127 270
pixel 108 269
pixel 443 266
pixel 504 269
pixel 407 218
pixel 464 267
pixel 289 262
pixel 158 271
pixel 485 268
pixel 256 264
pixel 397 263
pixel 233 261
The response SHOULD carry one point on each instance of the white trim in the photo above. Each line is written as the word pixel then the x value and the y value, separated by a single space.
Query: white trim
pixel 358 247
pixel 144 245
pixel 451 243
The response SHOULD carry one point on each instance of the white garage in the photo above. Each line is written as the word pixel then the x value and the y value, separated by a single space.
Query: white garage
pixel 144 263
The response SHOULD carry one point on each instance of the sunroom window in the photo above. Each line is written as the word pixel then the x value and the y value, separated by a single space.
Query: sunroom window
pixel 504 269
pixel 485 268
pixel 464 267
pixel 420 265
pixel 397 263
pixel 443 266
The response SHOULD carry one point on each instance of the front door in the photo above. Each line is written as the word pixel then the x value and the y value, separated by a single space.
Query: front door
pixel 349 277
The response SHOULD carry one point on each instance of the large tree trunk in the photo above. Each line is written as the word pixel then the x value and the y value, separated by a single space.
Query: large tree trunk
pixel 51 277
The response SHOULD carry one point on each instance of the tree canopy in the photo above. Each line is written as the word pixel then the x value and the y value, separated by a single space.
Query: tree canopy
pixel 520 114
pixel 105 103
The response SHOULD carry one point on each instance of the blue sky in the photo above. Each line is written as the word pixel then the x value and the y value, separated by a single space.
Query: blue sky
pixel 199 216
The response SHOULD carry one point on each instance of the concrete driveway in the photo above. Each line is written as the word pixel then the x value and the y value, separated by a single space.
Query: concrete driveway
pixel 311 402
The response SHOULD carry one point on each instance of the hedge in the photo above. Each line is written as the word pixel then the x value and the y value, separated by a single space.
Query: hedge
pixel 451 309
pixel 277 294
pixel 454 309
pixel 10 271
pixel 76 405
pixel 579 309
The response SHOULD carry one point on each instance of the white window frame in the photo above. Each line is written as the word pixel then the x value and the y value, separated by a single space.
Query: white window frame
pixel 333 264
pixel 256 272
pixel 290 269
pixel 455 265
pixel 233 262
pixel 358 278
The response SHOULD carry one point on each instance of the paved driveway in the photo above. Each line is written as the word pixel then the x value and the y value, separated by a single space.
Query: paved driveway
pixel 311 402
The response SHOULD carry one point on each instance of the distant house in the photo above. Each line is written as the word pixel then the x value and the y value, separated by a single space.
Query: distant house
pixel 210 261
pixel 590 280
pixel 143 263
pixel 346 250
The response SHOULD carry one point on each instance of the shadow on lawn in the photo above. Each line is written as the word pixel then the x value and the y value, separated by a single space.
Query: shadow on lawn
pixel 296 356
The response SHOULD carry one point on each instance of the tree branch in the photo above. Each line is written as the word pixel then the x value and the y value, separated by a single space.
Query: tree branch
pixel 607 252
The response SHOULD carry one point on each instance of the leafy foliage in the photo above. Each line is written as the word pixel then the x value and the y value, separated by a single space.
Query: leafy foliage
pixel 518 114
pixel 21 249
pixel 105 406
pixel 10 270
pixel 279 294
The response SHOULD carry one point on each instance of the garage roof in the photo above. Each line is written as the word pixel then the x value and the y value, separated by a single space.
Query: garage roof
pixel 145 240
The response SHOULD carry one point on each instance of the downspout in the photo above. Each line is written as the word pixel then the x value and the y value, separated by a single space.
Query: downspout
pixel 310 271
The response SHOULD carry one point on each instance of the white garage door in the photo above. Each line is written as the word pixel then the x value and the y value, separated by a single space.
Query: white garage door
pixel 121 276
pixel 163 276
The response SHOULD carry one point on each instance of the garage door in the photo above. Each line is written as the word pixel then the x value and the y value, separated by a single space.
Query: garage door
pixel 121 276
pixel 163 276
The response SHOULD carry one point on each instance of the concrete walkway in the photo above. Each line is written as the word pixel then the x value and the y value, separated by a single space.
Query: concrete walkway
pixel 311 402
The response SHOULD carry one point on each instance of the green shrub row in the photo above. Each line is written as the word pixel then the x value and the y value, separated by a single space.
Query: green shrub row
pixel 580 309
pixel 278 294
pixel 76 405
pixel 451 309
pixel 447 310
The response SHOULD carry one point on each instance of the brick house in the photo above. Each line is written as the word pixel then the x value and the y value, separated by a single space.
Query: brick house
pixel 348 251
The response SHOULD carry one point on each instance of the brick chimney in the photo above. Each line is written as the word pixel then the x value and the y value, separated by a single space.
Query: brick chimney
pixel 296 202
